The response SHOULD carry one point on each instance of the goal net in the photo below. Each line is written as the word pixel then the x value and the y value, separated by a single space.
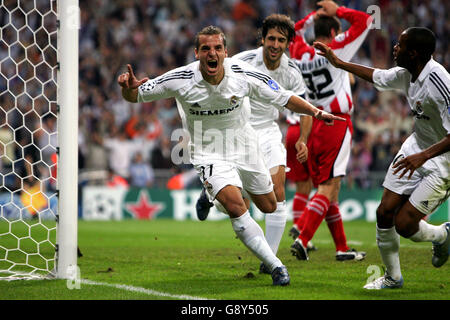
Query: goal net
pixel 32 100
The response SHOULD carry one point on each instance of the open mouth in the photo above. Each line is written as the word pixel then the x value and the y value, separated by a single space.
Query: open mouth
pixel 212 64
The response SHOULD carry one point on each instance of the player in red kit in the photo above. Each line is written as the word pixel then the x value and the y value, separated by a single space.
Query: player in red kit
pixel 297 133
pixel 328 88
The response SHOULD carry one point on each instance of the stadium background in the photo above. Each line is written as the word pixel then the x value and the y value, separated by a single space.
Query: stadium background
pixel 156 36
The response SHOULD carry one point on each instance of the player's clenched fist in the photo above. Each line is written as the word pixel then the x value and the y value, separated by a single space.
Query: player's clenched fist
pixel 128 80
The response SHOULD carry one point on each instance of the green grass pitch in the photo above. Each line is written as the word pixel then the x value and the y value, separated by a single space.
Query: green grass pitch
pixel 165 259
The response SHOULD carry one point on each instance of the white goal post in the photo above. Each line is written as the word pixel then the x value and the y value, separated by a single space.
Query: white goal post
pixel 38 138
pixel 67 226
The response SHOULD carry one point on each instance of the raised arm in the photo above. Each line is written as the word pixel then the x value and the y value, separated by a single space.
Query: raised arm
pixel 299 46
pixel 130 84
pixel 346 44
pixel 361 71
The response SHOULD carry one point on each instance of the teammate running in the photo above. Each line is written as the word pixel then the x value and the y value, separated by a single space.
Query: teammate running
pixel 418 180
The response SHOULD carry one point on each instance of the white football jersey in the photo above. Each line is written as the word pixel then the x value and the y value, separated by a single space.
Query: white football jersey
pixel 428 98
pixel 287 75
pixel 327 87
pixel 215 115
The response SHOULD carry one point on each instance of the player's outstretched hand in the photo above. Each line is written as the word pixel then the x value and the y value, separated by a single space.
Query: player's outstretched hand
pixel 410 163
pixel 327 117
pixel 302 151
pixel 128 80
pixel 326 52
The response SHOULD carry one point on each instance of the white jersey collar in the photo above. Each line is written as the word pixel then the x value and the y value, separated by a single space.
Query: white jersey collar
pixel 426 70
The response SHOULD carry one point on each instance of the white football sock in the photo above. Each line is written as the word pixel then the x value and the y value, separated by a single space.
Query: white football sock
pixel 429 232
pixel 275 224
pixel 251 234
pixel 388 241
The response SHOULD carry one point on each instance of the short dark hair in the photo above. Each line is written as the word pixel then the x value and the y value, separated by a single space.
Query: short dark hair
pixel 208 31
pixel 324 24
pixel 282 23
pixel 421 40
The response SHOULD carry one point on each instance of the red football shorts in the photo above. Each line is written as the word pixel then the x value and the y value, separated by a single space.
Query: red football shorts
pixel 298 171
pixel 329 149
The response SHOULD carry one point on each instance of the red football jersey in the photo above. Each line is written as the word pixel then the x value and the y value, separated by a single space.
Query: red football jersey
pixel 327 87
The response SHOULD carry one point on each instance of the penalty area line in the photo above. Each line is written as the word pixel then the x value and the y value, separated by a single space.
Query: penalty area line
pixel 141 290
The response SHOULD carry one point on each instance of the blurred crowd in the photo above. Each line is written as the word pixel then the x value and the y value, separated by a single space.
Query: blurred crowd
pixel 132 142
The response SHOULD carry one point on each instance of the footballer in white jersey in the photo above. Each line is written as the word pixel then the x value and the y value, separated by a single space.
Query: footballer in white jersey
pixel 210 94
pixel 429 99
pixel 418 180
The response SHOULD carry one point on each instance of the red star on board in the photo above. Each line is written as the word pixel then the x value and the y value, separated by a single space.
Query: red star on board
pixel 143 208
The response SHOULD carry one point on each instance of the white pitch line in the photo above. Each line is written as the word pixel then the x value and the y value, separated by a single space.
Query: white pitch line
pixel 141 290
pixel 372 244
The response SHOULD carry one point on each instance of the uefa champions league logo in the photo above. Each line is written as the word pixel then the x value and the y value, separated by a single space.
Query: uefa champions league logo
pixel 273 85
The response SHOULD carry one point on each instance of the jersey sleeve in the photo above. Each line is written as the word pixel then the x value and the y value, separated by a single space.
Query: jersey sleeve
pixel 298 47
pixel 440 95
pixel 164 86
pixel 264 89
pixel 391 79
pixel 347 43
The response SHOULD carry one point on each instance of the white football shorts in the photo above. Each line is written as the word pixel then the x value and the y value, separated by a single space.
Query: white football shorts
pixel 429 185
pixel 271 145
pixel 216 176
pixel 242 166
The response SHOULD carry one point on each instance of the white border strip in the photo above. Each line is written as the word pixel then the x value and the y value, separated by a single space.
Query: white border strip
pixel 141 290
pixel 374 244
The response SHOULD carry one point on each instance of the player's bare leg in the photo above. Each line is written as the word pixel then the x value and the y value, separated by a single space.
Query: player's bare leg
pixel 267 203
pixel 249 232
pixel 230 198
pixel 409 223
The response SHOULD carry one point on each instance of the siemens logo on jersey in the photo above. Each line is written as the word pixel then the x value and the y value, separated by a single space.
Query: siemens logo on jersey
pixel 212 112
